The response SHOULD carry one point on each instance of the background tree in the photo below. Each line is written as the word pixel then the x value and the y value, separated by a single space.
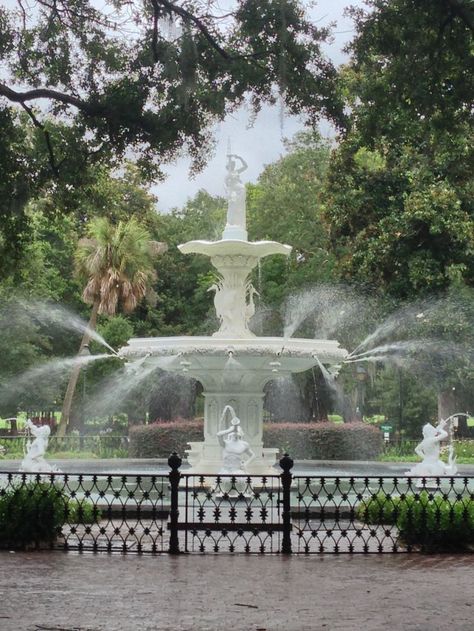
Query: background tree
pixel 286 205
pixel 400 203
pixel 399 189
pixel 116 262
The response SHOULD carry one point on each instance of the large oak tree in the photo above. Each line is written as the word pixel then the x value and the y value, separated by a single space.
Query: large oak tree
pixel 97 81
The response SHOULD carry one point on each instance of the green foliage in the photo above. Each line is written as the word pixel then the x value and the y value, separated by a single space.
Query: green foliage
pixel 31 514
pixel 406 403
pixel 159 440
pixel 429 521
pixel 133 87
pixel 82 512
pixel 437 525
pixel 15 188
pixel 399 187
pixel 184 304
pixel 381 508
pixel 116 331
pixel 286 205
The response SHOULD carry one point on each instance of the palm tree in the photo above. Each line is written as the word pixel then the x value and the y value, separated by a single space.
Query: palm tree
pixel 116 262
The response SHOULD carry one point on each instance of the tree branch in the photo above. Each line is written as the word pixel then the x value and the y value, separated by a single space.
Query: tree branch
pixel 186 15
pixel 48 93
pixel 47 137
pixel 154 41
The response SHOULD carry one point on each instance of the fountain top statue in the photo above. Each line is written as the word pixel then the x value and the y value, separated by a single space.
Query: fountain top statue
pixel 236 204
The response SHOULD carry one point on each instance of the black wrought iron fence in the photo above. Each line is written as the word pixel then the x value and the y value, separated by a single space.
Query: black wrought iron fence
pixel 181 512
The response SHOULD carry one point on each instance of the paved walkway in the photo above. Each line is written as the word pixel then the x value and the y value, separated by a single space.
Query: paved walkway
pixel 54 591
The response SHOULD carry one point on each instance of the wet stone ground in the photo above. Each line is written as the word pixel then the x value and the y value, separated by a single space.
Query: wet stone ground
pixel 54 591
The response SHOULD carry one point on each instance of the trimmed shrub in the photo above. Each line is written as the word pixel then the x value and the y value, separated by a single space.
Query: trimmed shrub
pixel 310 441
pixel 437 525
pixel 31 515
pixel 380 508
pixel 82 512
pixel 159 440
pixel 325 441
pixel 427 521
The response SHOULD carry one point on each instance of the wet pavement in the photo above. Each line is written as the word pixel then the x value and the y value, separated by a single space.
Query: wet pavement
pixel 54 591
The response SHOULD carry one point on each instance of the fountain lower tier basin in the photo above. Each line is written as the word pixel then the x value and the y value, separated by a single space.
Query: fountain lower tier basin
pixel 233 372
pixel 267 354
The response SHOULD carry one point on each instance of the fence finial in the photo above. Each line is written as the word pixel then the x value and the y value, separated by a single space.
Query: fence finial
pixel 174 461
pixel 286 463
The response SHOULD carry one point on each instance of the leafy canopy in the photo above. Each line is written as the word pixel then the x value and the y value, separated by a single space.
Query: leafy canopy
pixel 400 194
pixel 151 76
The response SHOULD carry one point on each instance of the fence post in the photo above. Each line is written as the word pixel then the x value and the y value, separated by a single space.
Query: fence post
pixel 286 463
pixel 174 462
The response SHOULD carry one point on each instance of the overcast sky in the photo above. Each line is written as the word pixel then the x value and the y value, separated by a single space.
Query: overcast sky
pixel 261 143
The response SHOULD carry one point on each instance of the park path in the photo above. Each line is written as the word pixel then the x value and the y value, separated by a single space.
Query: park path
pixel 55 591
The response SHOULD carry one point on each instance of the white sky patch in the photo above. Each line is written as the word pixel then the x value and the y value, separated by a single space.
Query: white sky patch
pixel 262 143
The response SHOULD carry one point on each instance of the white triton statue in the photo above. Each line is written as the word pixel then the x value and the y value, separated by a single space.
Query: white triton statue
pixel 34 461
pixel 236 452
pixel 429 449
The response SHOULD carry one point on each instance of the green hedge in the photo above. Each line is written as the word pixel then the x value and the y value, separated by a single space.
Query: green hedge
pixel 159 440
pixel 325 441
pixel 306 441
pixel 32 513
pixel 424 520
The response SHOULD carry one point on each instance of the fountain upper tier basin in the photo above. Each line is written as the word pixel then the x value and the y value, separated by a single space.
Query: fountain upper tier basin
pixel 235 247
pixel 279 355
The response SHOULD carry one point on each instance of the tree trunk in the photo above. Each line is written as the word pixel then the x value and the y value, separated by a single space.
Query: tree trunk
pixel 447 403
pixel 76 371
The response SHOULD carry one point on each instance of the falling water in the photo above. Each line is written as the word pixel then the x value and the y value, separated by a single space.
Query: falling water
pixel 335 386
pixel 116 388
pixel 331 311
pixel 411 319
pixel 54 315
pixel 54 371
pixel 283 400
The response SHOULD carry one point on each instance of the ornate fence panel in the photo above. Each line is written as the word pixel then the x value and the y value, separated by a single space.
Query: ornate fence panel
pixel 382 514
pixel 231 513
pixel 100 512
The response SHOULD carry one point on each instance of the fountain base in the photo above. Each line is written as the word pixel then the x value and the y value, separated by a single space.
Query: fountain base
pixel 207 458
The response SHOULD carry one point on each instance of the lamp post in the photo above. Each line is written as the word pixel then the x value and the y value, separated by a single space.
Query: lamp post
pixel 361 377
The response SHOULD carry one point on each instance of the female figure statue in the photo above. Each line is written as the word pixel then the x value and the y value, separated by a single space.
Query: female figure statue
pixel 236 452
pixel 235 191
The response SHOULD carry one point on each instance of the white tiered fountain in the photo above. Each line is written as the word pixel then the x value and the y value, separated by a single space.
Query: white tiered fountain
pixel 234 365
